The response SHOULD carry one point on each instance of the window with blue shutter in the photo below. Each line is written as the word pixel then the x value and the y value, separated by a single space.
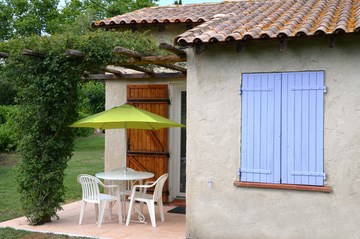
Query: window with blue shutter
pixel 282 128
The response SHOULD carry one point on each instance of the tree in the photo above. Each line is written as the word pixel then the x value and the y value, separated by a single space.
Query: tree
pixel 27 17
pixel 5 21
pixel 19 18
pixel 109 8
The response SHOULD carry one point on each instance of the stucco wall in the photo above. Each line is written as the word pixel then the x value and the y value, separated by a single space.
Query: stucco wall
pixel 214 135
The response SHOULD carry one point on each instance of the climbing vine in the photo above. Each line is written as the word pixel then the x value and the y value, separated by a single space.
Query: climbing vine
pixel 46 83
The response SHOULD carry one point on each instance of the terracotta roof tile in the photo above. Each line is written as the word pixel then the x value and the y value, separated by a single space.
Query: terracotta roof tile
pixel 250 19
pixel 288 18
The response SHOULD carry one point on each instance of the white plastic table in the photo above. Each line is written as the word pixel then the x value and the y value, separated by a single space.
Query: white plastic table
pixel 123 176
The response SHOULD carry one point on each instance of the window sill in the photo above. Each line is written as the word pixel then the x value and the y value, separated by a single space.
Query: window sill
pixel 324 189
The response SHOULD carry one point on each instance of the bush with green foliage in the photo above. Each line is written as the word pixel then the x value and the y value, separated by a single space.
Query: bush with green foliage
pixel 9 136
pixel 92 97
pixel 7 93
pixel 47 87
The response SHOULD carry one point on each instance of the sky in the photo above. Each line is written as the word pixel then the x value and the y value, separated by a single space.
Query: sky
pixel 169 2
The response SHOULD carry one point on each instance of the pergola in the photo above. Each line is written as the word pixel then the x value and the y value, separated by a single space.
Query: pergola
pixel 135 67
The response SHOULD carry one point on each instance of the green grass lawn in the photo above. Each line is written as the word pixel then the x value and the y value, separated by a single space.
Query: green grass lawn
pixel 88 158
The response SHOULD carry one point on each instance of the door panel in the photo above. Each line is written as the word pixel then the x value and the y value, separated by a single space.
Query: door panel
pixel 148 149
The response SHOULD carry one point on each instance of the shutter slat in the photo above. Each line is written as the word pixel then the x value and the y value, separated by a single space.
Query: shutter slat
pixel 275 130
pixel 312 130
pixel 319 129
pixel 257 126
pixel 305 108
pixel 264 118
pixel 298 154
pixel 250 127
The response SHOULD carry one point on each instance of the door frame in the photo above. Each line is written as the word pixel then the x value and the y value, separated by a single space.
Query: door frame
pixel 174 141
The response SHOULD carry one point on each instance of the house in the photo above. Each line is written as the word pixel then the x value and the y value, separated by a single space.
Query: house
pixel 272 115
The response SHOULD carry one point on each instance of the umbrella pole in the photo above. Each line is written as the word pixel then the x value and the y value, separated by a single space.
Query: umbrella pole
pixel 125 147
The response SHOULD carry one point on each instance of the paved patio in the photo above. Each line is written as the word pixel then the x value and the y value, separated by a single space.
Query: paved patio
pixel 173 227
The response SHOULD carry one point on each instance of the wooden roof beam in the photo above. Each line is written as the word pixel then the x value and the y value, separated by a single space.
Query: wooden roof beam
pixel 27 52
pixel 171 48
pixel 154 76
pixel 4 55
pixel 141 69
pixel 174 67
pixel 153 60
pixel 134 76
pixel 113 70
pixel 127 52
pixel 74 54
pixel 98 77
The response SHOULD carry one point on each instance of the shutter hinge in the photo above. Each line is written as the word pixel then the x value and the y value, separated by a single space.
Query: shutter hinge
pixel 323 88
pixel 240 90
pixel 316 174
pixel 239 173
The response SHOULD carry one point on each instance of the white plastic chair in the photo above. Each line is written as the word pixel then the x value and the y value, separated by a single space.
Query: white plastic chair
pixel 150 200
pixel 91 194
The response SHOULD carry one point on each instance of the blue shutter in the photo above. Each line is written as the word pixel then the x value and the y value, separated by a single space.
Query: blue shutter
pixel 302 128
pixel 260 129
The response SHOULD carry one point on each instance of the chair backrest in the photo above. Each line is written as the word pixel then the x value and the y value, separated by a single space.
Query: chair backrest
pixel 90 188
pixel 159 184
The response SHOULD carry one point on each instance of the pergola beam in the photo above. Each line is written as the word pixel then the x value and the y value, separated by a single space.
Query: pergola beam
pixel 4 55
pixel 174 67
pixel 141 69
pixel 99 77
pixel 74 53
pixel 153 60
pixel 114 70
pixel 127 52
pixel 27 52
pixel 171 48
pixel 134 76
pixel 155 75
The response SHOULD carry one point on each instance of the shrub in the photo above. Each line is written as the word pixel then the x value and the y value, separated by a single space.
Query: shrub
pixel 7 93
pixel 83 132
pixel 92 97
pixel 9 136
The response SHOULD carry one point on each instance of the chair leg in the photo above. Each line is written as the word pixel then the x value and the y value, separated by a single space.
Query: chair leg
pixel 110 210
pixel 141 207
pixel 101 213
pixel 151 207
pixel 82 211
pixel 161 209
pixel 131 205
pixel 119 209
pixel 96 211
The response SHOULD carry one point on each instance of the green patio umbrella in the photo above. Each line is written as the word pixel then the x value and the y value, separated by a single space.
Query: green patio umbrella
pixel 126 117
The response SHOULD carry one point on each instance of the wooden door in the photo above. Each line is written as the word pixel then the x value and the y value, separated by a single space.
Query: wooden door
pixel 147 150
